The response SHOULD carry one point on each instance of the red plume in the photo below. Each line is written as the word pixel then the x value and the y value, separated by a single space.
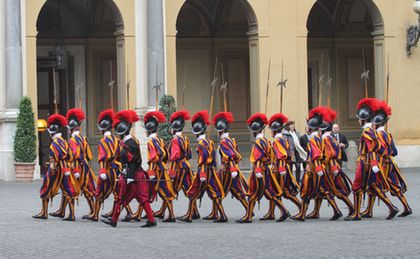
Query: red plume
pixel 372 103
pixel 76 112
pixel 385 107
pixel 278 117
pixel 203 115
pixel 158 115
pixel 57 118
pixel 320 110
pixel 332 115
pixel 129 116
pixel 257 116
pixel 184 114
pixel 106 113
pixel 228 116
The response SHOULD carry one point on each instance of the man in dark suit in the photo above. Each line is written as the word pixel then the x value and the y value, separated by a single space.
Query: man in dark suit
pixel 344 144
pixel 303 140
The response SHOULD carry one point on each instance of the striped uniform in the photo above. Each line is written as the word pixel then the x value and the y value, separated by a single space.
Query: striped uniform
pixel 230 157
pixel 108 150
pixel 206 169
pixel 82 154
pixel 180 168
pixel 288 183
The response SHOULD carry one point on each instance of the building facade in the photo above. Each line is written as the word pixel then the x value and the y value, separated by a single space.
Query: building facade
pixel 98 54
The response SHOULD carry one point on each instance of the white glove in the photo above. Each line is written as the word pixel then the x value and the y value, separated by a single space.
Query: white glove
pixel 234 174
pixel 375 169
pixel 283 173
pixel 258 175
pixel 320 173
pixel 103 176
pixel 77 175
pixel 129 180
pixel 203 179
pixel 67 173
pixel 335 172
pixel 152 177
pixel 124 171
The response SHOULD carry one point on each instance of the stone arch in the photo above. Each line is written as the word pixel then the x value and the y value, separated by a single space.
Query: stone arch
pixel 339 31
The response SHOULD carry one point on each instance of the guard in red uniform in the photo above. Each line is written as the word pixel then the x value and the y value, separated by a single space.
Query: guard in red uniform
pixel 109 167
pixel 157 157
pixel 387 150
pixel 81 154
pixel 206 179
pixel 133 182
pixel 262 181
pixel 316 183
pixel 179 154
pixel 369 172
pixel 231 177
pixel 281 164
pixel 341 183
pixel 59 174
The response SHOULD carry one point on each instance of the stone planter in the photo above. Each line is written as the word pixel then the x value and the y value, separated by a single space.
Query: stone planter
pixel 24 172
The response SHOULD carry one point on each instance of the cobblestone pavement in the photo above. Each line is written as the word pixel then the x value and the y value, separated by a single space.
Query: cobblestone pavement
pixel 23 237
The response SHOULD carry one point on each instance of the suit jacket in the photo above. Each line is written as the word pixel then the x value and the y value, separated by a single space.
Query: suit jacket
pixel 343 140
pixel 303 140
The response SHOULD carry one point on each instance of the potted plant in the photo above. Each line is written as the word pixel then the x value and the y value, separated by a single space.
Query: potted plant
pixel 24 145
pixel 167 106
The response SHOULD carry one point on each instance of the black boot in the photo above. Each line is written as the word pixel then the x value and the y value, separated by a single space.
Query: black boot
pixel 108 221
pixel 149 224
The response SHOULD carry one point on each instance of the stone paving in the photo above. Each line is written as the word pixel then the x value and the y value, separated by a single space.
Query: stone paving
pixel 23 237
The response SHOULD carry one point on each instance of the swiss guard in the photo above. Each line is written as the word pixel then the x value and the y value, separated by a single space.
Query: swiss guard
pixel 157 157
pixel 206 179
pixel 59 174
pixel 179 156
pixel 262 181
pixel 341 183
pixel 230 174
pixel 109 167
pixel 81 154
pixel 133 182
pixel 281 164
pixel 369 173
pixel 316 183
pixel 387 150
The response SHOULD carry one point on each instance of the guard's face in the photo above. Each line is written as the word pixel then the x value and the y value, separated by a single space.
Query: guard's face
pixel 273 133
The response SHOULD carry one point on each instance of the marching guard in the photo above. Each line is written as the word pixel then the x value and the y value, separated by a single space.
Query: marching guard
pixel 206 179
pixel 133 182
pixel 179 154
pixel 369 173
pixel 157 157
pixel 280 164
pixel 59 174
pixel 262 181
pixel 340 182
pixel 387 150
pixel 109 167
pixel 81 154
pixel 316 183
pixel 230 175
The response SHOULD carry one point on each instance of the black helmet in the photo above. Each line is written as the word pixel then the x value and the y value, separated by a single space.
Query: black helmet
pixel 256 126
pixel 151 125
pixel 122 128
pixel 198 127
pixel 315 122
pixel 105 124
pixel 199 122
pixel 222 121
pixel 54 128
pixel 364 113
pixel 276 126
pixel 73 123
pixel 221 125
pixel 178 124
pixel 380 118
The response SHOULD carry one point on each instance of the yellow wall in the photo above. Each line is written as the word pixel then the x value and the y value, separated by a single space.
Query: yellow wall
pixel 282 35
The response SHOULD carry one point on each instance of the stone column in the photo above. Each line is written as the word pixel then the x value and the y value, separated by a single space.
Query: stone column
pixel 13 85
pixel 142 83
pixel 155 40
